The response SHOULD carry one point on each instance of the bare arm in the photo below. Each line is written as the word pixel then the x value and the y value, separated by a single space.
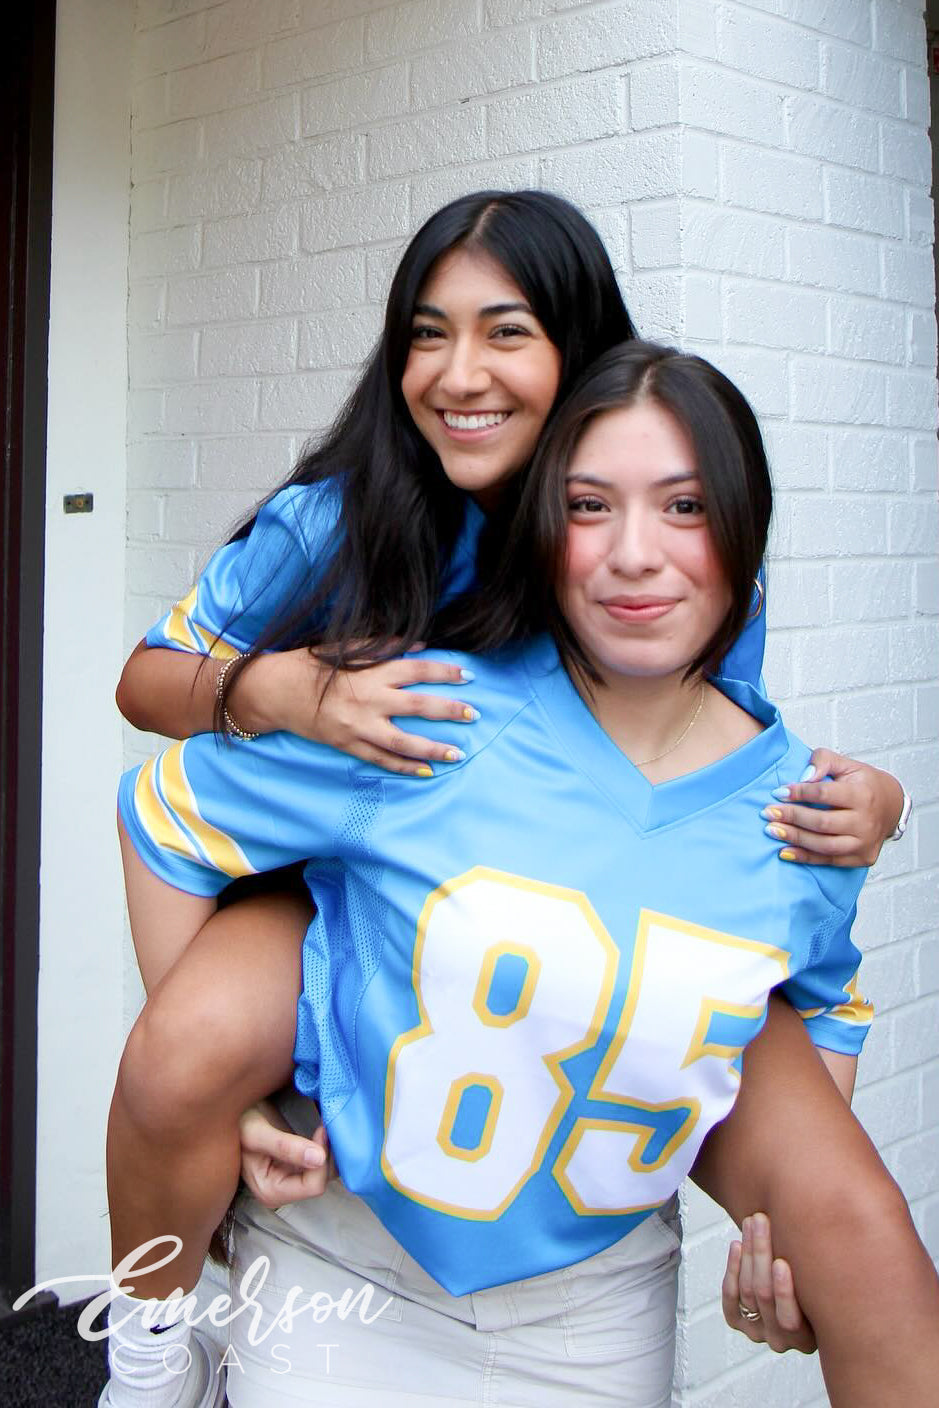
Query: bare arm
pixel 168 691
pixel 842 1069
pixel 792 1148
pixel 758 1295
pixel 172 692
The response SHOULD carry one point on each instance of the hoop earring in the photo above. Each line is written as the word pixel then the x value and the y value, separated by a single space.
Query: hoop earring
pixel 753 616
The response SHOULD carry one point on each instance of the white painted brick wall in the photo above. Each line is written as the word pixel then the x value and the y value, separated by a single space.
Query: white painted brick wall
pixel 761 173
pixel 855 599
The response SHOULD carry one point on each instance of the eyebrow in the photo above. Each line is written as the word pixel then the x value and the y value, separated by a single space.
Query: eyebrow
pixel 492 310
pixel 683 476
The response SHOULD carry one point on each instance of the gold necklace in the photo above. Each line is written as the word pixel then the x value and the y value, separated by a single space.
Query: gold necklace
pixel 681 737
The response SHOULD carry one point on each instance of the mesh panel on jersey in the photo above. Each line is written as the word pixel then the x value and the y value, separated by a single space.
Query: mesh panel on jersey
pixel 821 939
pixel 352 946
pixel 365 805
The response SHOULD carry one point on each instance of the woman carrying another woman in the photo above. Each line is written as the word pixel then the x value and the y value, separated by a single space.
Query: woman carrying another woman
pixel 456 353
pixel 387 516
pixel 521 1032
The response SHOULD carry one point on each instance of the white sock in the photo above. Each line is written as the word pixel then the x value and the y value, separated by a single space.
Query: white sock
pixel 147 1364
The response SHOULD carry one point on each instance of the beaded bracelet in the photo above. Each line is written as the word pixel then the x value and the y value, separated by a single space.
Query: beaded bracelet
pixel 231 727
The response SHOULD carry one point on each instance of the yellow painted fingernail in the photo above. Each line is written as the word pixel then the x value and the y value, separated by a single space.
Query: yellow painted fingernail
pixel 778 833
pixel 787 855
pixel 454 755
pixel 470 714
pixel 425 772
pixel 772 813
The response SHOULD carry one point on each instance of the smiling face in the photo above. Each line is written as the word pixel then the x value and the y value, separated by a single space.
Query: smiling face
pixel 643 590
pixel 481 375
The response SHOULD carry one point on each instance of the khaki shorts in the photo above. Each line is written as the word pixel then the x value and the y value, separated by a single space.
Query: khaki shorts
pixel 599 1332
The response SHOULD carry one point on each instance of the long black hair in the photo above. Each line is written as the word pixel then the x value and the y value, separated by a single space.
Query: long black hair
pixel 521 597
pixel 400 516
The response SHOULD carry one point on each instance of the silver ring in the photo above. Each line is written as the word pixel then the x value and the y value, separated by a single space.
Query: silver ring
pixel 747 1313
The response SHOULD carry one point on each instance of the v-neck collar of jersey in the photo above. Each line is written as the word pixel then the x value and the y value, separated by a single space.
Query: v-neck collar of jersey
pixel 650 806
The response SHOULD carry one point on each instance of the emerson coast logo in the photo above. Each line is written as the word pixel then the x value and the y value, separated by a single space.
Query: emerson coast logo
pixel 250 1302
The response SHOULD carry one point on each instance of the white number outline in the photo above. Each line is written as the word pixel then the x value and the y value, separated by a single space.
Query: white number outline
pixel 698 1047
pixel 553 1060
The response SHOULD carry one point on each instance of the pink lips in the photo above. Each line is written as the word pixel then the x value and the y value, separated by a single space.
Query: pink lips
pixel 638 608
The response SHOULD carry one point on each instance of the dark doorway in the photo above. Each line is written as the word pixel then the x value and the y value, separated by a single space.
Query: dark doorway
pixel 26 101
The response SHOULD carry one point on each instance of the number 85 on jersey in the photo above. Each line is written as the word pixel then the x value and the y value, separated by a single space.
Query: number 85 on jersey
pixel 514 977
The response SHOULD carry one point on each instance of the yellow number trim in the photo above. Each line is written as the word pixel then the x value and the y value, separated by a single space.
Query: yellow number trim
pixel 457 1091
pixel 553 1060
pixel 488 972
pixel 644 1135
pixel 698 1047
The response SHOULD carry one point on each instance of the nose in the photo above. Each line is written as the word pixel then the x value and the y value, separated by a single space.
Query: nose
pixel 635 544
pixel 464 374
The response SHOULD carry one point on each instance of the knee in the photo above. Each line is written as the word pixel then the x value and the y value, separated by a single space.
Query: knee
pixel 177 1063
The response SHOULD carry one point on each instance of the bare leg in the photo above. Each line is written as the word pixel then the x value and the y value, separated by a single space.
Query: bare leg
pixel 792 1148
pixel 163 919
pixel 216 1034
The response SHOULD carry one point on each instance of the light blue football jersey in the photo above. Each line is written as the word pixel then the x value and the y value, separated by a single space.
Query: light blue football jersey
pixel 248 581
pixel 529 979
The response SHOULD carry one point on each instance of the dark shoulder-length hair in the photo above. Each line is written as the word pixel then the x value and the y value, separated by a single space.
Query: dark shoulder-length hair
pixel 400 516
pixel 522 597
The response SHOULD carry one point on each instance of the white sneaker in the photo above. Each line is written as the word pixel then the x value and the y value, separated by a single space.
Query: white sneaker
pixel 204 1384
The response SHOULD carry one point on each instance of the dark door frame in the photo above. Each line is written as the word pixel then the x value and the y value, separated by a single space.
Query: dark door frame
pixel 26 106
